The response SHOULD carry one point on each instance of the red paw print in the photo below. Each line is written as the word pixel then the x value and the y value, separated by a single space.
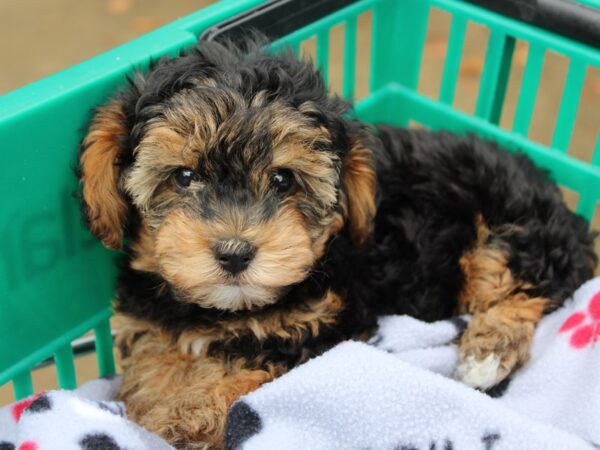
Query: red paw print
pixel 18 408
pixel 585 332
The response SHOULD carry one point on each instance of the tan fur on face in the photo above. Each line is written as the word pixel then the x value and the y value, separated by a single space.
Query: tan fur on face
pixel 189 127
pixel 182 226
pixel 180 245
pixel 161 150
pixel 287 124
pixel 331 229
pixel 100 174
pixel 144 252
pixel 190 114
pixel 159 154
pixel 360 183
pixel 316 172
pixel 184 250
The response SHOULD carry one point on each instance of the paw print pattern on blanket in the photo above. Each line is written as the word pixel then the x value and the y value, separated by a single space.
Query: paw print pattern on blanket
pixel 40 404
pixel 28 445
pixel 85 419
pixel 584 332
pixel 100 441
pixel 18 408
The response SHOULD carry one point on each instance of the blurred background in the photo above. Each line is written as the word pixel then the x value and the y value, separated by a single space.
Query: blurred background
pixel 41 37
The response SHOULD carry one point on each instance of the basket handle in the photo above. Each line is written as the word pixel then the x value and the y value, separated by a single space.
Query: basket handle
pixel 565 17
pixel 275 18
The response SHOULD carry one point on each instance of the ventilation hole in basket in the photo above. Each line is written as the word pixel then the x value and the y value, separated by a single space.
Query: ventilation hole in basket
pixel 550 90
pixel 321 60
pixel 434 53
pixel 336 59
pixel 515 80
pixel 308 49
pixel 471 67
pixel 417 125
pixel 86 368
pixel 44 378
pixel 587 125
pixel 570 196
pixel 6 394
pixel 595 225
pixel 363 55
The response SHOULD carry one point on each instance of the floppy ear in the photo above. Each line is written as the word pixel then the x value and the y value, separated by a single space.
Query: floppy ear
pixel 104 205
pixel 360 184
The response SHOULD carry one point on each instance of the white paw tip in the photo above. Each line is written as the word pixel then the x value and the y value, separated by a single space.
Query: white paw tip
pixel 482 374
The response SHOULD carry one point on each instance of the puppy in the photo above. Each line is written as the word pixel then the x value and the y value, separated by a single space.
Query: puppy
pixel 263 226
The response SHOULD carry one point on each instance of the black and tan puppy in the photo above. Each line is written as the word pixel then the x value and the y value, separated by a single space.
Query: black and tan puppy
pixel 263 227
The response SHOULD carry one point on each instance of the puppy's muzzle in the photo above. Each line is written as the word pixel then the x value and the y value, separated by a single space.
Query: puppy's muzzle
pixel 234 255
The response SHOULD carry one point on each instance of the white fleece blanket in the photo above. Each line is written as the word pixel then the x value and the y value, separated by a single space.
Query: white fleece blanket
pixel 396 393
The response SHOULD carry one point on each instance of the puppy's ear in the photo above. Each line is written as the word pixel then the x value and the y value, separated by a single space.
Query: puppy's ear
pixel 360 185
pixel 104 205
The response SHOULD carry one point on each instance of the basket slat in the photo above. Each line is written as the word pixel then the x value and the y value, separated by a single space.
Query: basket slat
pixel 323 54
pixel 453 58
pixel 529 89
pixel 569 105
pixel 104 349
pixel 65 367
pixel 494 78
pixel 23 385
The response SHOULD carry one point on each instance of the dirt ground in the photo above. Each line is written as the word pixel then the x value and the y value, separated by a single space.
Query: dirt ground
pixel 41 37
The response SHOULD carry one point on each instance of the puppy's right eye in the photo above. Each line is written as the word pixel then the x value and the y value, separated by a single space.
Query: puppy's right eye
pixel 183 177
pixel 282 180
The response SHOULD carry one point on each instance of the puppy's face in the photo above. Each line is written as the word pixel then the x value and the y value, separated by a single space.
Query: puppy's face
pixel 238 198
pixel 237 179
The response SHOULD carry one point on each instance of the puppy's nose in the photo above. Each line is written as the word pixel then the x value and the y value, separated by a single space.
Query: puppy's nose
pixel 234 256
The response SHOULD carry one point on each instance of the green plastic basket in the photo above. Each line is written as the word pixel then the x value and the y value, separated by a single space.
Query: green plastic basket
pixel 56 281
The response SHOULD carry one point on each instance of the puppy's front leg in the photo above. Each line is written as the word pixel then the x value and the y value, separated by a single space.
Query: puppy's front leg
pixel 195 418
pixel 497 341
pixel 182 397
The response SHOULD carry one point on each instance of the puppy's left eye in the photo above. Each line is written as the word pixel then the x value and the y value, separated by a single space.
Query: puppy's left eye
pixel 282 180
pixel 184 177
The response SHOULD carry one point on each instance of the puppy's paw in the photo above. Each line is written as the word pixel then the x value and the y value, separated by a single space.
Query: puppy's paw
pixel 480 373
pixel 491 349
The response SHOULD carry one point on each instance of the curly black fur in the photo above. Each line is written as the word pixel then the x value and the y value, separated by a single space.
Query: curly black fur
pixel 432 186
